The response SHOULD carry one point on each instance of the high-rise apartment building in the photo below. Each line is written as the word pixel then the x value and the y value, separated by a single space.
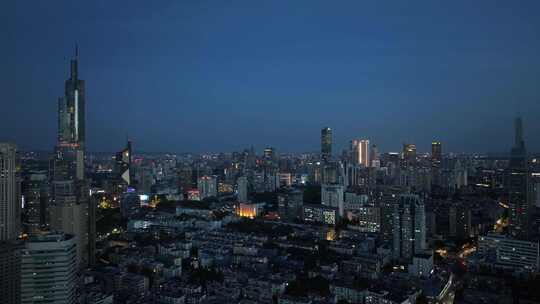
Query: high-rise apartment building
pixel 207 186
pixel 9 225
pixel 49 269
pixel 409 227
pixel 333 196
pixel 9 200
pixel 242 189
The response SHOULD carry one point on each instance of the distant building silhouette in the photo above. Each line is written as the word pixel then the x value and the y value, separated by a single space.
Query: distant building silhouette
pixel 517 185
pixel 326 144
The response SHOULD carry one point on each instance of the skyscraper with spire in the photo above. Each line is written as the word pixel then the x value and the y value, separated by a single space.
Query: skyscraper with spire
pixel 71 108
pixel 517 185
pixel 71 210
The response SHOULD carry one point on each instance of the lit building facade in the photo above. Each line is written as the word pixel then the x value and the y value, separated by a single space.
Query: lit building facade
pixel 313 213
pixel 249 210
pixel 360 152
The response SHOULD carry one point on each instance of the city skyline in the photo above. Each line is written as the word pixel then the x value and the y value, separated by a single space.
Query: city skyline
pixel 167 95
pixel 330 153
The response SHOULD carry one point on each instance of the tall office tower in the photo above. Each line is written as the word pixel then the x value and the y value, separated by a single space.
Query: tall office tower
pixel 207 186
pixel 71 122
pixel 326 144
pixel 48 269
pixel 436 161
pixel 409 155
pixel 360 152
pixel 409 227
pixel 35 194
pixel 70 210
pixel 9 201
pixel 71 108
pixel 375 157
pixel 123 164
pixel 332 195
pixel 9 225
pixel 517 184
pixel 242 189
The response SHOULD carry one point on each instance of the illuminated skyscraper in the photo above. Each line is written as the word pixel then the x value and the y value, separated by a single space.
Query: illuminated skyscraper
pixel 123 164
pixel 71 210
pixel 517 180
pixel 360 152
pixel 409 154
pixel 326 144
pixel 71 108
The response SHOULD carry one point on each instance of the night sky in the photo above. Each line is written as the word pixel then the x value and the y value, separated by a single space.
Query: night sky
pixel 210 76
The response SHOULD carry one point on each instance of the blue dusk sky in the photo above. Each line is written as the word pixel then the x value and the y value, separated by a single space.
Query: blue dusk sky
pixel 209 76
